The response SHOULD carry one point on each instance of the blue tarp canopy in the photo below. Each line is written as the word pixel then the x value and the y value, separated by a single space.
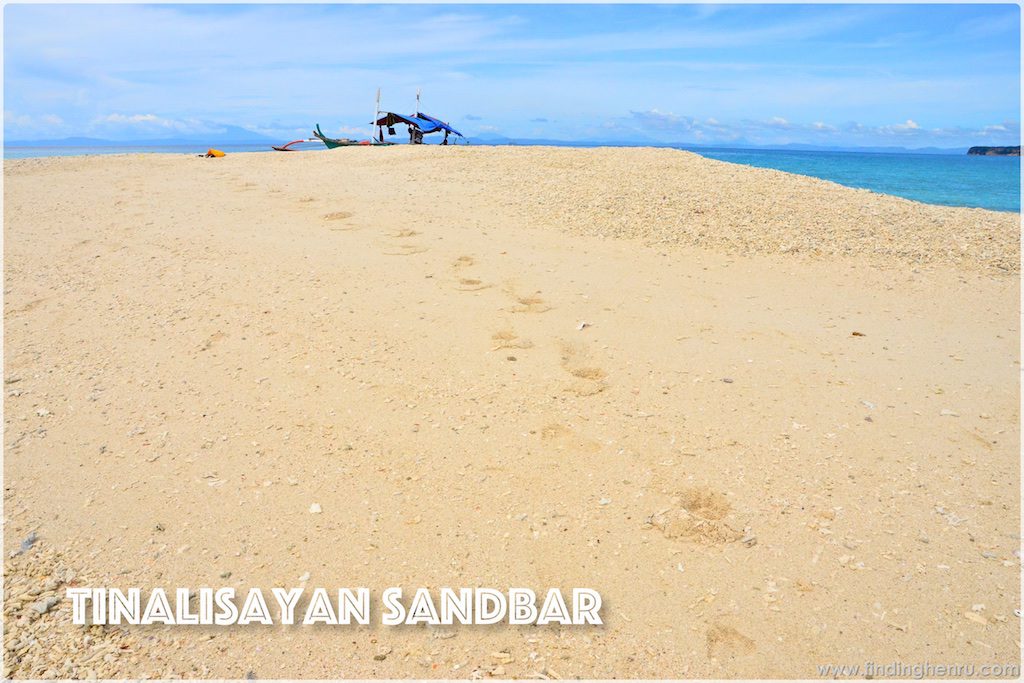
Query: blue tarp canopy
pixel 389 119
pixel 426 124
pixel 437 123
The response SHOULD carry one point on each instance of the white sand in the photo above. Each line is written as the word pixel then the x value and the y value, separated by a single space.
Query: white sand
pixel 197 350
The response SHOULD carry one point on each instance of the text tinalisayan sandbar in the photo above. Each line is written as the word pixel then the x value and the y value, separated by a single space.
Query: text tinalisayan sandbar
pixel 343 606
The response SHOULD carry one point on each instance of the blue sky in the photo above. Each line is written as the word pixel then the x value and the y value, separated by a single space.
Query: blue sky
pixel 908 75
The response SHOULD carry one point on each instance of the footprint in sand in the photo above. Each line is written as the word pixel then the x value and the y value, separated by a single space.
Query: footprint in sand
pixel 405 232
pixel 529 304
pixel 697 515
pixel 213 339
pixel 30 306
pixel 339 216
pixel 507 339
pixel 466 284
pixel 725 642
pixel 469 284
pixel 560 437
pixel 587 379
pixel 306 200
pixel 403 250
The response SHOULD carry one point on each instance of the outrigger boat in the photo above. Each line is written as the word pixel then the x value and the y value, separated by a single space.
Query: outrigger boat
pixel 419 124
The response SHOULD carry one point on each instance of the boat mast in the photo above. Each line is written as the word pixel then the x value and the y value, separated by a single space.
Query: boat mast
pixel 374 134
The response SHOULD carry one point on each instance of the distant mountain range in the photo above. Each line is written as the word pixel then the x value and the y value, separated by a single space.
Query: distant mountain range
pixel 233 135
pixel 492 139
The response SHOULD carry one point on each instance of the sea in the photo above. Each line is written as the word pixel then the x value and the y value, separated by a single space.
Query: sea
pixel 946 179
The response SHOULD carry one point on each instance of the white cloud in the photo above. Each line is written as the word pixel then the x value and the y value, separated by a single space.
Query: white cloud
pixel 17 119
pixel 134 118
pixel 901 127
pixel 147 124
pixel 346 131
pixel 665 121
pixel 672 127
pixel 17 125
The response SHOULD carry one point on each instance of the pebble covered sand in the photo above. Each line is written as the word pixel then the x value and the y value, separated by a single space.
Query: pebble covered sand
pixel 678 199
pixel 40 642
pixel 673 197
pixel 773 421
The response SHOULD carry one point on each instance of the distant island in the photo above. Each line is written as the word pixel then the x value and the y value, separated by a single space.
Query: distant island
pixel 995 151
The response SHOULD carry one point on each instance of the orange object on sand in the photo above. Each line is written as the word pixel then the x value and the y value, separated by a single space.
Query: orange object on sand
pixel 214 153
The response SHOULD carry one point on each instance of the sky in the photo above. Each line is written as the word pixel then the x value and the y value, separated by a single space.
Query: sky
pixel 835 75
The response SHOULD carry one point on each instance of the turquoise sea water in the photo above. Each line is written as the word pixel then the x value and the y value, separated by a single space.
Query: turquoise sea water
pixel 950 180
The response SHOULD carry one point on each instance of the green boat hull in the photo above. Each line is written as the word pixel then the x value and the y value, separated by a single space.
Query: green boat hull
pixel 333 143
